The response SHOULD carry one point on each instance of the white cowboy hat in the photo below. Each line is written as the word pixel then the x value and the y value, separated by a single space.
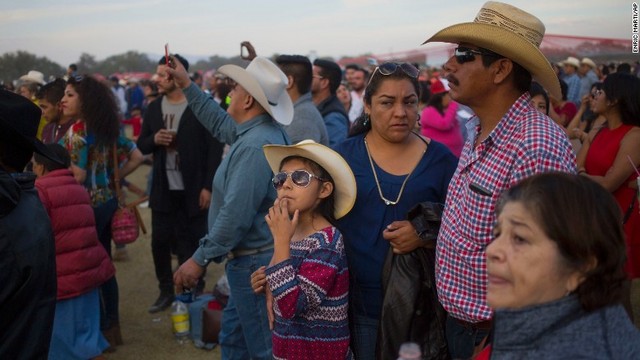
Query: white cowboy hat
pixel 343 179
pixel 267 84
pixel 571 61
pixel 589 62
pixel 510 32
pixel 33 76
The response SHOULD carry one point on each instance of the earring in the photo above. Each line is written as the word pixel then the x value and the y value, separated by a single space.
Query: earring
pixel 366 121
pixel 418 120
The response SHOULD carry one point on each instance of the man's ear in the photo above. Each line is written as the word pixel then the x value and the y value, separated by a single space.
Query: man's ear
pixel 324 83
pixel 503 68
pixel 291 82
pixel 248 102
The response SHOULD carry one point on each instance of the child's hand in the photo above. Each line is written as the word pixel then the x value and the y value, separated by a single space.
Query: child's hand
pixel 259 280
pixel 281 225
pixel 270 315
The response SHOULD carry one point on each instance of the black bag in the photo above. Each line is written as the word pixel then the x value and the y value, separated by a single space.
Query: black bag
pixel 410 307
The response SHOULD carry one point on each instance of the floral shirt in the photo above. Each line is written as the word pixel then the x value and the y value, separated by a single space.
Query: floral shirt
pixel 96 161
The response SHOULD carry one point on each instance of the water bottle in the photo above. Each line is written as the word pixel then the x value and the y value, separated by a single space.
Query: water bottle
pixel 180 319
pixel 409 351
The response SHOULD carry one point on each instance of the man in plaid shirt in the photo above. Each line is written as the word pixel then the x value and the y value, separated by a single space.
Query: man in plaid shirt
pixel 491 71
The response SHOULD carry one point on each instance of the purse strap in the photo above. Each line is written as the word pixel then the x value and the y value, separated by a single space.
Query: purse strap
pixel 116 176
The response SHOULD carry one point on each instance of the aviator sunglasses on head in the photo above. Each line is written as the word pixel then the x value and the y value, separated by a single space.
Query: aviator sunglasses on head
pixel 390 68
pixel 464 54
pixel 300 178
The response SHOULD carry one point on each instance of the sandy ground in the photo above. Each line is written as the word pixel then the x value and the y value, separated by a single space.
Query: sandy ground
pixel 149 336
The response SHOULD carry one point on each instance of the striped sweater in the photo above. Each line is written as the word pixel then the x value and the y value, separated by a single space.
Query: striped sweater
pixel 310 291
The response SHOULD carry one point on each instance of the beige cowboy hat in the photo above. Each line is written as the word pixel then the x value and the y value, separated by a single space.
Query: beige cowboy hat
pixel 510 32
pixel 571 61
pixel 267 84
pixel 331 161
pixel 588 62
pixel 33 76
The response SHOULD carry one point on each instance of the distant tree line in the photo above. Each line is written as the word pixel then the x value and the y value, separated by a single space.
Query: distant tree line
pixel 15 64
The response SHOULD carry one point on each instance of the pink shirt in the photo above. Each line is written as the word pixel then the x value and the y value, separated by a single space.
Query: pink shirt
pixel 444 129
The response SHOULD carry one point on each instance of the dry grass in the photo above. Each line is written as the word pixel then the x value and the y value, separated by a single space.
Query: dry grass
pixel 149 336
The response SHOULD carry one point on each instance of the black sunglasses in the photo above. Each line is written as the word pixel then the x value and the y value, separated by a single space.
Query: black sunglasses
pixel 464 54
pixel 391 67
pixel 300 178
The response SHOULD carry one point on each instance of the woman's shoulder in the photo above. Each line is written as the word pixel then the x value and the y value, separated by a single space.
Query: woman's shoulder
pixel 349 145
pixel 610 331
pixel 439 150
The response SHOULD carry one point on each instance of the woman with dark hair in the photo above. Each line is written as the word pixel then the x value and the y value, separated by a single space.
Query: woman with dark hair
pixel 439 121
pixel 585 119
pixel 556 289
pixel 344 95
pixel 539 98
pixel 395 169
pixel 562 110
pixel 91 141
pixel 606 154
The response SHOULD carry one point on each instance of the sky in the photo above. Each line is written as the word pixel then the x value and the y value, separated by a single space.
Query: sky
pixel 62 30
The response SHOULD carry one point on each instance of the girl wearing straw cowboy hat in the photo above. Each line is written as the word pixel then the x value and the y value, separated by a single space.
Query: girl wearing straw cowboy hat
pixel 315 187
pixel 241 196
pixel 491 71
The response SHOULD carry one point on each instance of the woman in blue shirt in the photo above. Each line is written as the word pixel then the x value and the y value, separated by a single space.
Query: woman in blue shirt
pixel 395 169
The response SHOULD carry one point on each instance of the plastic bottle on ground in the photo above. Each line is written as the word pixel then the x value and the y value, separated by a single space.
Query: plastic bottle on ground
pixel 409 351
pixel 180 320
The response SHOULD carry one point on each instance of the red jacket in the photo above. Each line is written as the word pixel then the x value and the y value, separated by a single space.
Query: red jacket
pixel 82 263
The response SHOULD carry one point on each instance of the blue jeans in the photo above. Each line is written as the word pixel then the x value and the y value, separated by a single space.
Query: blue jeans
pixel 364 337
pixel 245 330
pixel 462 340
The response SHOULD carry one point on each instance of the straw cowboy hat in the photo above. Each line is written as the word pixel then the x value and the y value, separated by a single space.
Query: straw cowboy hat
pixel 510 32
pixel 267 84
pixel 588 62
pixel 33 76
pixel 331 161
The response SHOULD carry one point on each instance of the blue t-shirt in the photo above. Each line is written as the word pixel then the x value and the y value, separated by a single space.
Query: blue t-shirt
pixel 362 227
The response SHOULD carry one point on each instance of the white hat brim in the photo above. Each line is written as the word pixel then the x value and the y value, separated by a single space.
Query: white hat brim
pixel 282 112
pixel 32 79
pixel 507 44
pixel 331 161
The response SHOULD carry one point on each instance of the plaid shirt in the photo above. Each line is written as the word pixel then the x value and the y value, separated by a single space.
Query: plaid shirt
pixel 523 143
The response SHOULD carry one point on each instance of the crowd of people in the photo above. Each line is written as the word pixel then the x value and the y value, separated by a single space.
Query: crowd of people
pixel 487 209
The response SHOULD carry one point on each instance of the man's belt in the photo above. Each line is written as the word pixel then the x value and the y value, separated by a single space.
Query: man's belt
pixel 246 252
pixel 482 325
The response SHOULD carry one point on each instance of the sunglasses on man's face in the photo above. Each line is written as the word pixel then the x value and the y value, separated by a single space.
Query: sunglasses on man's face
pixel 300 178
pixel 464 54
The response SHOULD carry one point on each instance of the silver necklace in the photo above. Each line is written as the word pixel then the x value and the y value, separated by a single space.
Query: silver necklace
pixel 375 177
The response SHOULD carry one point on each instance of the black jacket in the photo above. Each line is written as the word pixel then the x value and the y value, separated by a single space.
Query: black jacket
pixel 410 307
pixel 200 155
pixel 27 270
